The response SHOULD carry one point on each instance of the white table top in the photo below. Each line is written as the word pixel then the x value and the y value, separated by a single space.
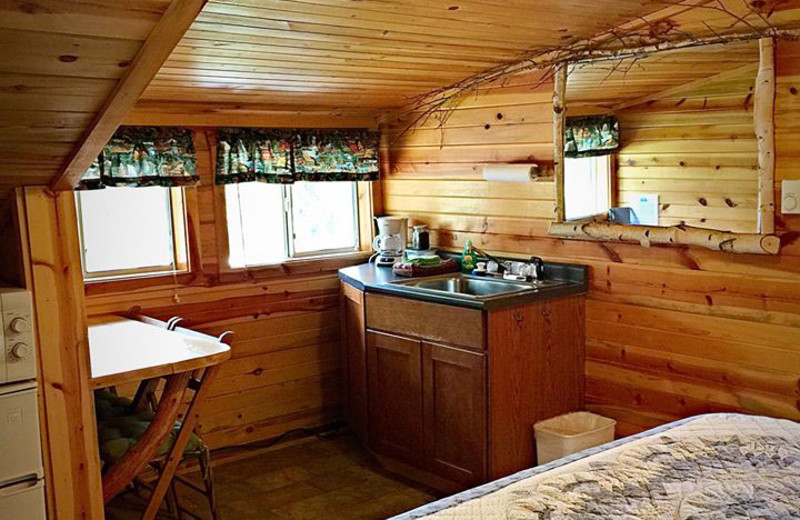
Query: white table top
pixel 123 350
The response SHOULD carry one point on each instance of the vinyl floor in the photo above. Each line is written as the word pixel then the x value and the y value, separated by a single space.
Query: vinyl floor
pixel 329 479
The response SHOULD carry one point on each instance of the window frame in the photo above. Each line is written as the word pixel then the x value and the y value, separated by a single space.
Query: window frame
pixel 364 211
pixel 288 209
pixel 611 184
pixel 180 245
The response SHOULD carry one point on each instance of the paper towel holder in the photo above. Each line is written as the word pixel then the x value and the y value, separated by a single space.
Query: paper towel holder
pixel 511 172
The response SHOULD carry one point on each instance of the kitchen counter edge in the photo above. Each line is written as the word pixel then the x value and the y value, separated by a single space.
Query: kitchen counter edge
pixel 372 279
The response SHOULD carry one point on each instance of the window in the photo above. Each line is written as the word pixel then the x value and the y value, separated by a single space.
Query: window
pixel 270 223
pixel 132 232
pixel 587 186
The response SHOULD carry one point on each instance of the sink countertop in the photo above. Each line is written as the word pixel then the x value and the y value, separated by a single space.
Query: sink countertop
pixel 367 277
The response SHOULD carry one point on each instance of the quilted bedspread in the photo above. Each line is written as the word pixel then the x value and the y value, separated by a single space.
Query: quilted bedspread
pixel 711 467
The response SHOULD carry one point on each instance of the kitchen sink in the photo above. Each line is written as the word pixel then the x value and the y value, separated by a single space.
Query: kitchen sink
pixel 472 287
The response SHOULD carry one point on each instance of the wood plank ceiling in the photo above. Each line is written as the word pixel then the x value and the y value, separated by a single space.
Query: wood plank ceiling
pixel 608 83
pixel 260 60
pixel 358 56
pixel 59 62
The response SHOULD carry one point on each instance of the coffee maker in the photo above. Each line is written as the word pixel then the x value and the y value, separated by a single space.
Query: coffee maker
pixel 390 243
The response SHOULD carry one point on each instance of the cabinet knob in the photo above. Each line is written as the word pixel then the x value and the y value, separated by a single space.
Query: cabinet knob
pixel 19 325
pixel 21 351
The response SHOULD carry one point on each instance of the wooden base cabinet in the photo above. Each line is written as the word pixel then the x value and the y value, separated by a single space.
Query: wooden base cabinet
pixel 395 396
pixel 452 393
pixel 427 406
pixel 354 356
pixel 454 413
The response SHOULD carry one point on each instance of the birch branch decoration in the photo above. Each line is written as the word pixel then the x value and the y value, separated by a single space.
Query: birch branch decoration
pixel 764 123
pixel 674 235
pixel 636 39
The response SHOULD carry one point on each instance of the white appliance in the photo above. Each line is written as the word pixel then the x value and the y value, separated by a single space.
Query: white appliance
pixel 390 243
pixel 21 472
pixel 18 361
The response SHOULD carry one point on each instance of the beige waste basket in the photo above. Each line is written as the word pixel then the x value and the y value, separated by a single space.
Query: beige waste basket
pixel 571 433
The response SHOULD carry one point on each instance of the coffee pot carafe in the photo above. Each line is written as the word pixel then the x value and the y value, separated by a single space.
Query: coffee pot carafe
pixel 390 242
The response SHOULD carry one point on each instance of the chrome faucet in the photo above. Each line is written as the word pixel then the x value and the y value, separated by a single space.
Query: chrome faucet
pixel 532 270
pixel 502 265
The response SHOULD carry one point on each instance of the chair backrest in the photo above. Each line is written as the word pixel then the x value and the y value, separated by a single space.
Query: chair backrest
pixel 146 396
pixel 226 337
pixel 172 324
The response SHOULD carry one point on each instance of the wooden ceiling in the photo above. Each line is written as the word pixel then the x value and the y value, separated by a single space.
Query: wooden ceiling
pixel 359 56
pixel 621 83
pixel 59 62
pixel 66 65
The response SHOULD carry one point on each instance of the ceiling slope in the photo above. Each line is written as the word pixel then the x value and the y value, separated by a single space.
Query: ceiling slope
pixel 350 59
pixel 59 62
pixel 151 56
pixel 634 81
pixel 70 68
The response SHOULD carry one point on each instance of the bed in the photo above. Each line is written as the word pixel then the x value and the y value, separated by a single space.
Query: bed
pixel 716 466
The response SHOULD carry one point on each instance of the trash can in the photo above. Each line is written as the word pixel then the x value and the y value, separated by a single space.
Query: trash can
pixel 570 433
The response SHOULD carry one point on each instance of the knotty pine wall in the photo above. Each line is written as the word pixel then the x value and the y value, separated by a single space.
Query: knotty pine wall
pixel 698 151
pixel 671 332
pixel 284 372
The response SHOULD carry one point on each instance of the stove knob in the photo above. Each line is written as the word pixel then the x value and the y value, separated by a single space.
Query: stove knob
pixel 21 351
pixel 19 325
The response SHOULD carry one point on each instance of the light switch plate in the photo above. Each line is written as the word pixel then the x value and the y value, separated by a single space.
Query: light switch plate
pixel 790 197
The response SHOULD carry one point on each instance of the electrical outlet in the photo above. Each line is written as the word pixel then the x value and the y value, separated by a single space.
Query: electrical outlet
pixel 790 197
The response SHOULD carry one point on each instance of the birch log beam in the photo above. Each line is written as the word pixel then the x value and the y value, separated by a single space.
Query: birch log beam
pixel 679 235
pixel 559 94
pixel 764 122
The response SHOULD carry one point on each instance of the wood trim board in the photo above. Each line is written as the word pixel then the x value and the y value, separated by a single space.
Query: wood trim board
pixel 154 52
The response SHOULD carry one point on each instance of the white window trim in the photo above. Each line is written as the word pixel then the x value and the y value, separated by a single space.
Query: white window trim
pixel 320 253
pixel 291 256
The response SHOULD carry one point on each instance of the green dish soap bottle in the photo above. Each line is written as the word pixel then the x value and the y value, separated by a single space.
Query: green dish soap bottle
pixel 468 258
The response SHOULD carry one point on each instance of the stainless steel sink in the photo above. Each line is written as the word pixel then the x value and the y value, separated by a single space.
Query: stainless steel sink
pixel 472 287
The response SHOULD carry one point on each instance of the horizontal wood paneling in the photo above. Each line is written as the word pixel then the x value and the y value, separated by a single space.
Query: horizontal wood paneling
pixel 707 116
pixel 671 332
pixel 59 62
pixel 337 54
pixel 691 72
pixel 285 366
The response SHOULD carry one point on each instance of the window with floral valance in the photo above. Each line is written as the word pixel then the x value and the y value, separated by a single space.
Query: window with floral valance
pixel 142 156
pixel 252 154
pixel 590 136
pixel 339 155
pixel 285 156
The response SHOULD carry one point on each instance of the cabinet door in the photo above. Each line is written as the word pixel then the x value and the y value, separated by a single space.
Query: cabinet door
pixel 395 397
pixel 354 343
pixel 454 403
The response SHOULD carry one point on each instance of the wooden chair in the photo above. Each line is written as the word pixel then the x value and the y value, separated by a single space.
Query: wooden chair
pixel 146 400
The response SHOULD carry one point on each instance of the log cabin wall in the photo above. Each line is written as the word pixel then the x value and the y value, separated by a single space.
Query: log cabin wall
pixel 718 187
pixel 284 372
pixel 671 332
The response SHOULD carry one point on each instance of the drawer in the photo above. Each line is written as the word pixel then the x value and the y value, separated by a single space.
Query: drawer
pixel 428 321
pixel 20 446
pixel 23 501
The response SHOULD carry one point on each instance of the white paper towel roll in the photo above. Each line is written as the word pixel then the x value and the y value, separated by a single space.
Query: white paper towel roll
pixel 511 172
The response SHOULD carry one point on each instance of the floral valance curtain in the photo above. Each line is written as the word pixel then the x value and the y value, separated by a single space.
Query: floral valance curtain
pixel 336 155
pixel 285 156
pixel 591 136
pixel 251 154
pixel 141 156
